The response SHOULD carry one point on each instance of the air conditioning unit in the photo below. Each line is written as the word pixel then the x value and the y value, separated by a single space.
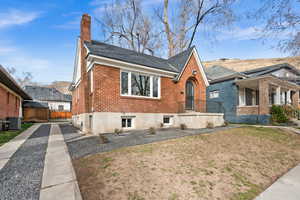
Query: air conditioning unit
pixel 14 123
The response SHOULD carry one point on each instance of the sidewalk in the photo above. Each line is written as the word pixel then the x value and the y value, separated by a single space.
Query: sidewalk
pixel 59 179
pixel 286 187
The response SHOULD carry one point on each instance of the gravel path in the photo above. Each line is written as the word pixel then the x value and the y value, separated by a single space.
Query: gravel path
pixel 21 177
pixel 90 145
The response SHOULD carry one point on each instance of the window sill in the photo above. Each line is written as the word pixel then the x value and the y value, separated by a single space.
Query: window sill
pixel 138 97
pixel 248 106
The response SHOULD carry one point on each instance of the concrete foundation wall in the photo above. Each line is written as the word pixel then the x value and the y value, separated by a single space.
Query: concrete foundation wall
pixel 106 122
pixel 249 119
pixel 81 121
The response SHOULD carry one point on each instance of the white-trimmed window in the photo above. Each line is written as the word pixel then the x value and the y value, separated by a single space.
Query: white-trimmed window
pixel 139 85
pixel 60 107
pixel 242 101
pixel 167 120
pixel 248 97
pixel 214 94
pixel 127 122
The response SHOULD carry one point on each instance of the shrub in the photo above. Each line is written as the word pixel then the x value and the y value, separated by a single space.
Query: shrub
pixel 226 123
pixel 118 131
pixel 290 111
pixel 152 131
pixel 183 126
pixel 103 139
pixel 210 125
pixel 278 114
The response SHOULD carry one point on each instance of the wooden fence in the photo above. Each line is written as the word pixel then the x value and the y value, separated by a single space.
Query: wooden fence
pixel 36 114
pixel 60 115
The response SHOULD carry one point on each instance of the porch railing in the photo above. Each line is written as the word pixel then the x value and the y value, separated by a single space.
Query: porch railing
pixel 202 106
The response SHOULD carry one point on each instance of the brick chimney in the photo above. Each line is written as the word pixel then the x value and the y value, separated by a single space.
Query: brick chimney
pixel 85 28
pixel 85 36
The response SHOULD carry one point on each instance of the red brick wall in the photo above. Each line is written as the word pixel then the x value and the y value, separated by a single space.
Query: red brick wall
pixel 106 96
pixel 199 84
pixel 9 104
pixel 247 110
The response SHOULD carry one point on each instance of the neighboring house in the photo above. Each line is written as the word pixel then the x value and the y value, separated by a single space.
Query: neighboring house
pixel 12 96
pixel 246 96
pixel 116 88
pixel 56 100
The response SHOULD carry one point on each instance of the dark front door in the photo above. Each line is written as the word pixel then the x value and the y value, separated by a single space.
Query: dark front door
pixel 189 96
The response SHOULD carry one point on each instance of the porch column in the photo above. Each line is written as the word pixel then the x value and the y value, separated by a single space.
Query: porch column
pixel 277 100
pixel 288 98
pixel 295 99
pixel 263 97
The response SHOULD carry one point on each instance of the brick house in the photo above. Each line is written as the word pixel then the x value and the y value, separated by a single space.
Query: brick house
pixel 247 96
pixel 12 96
pixel 116 88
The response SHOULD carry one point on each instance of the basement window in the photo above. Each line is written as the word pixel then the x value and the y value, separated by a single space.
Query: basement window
pixel 127 122
pixel 167 120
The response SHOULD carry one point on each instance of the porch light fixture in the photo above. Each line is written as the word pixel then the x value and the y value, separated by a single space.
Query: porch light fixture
pixel 194 72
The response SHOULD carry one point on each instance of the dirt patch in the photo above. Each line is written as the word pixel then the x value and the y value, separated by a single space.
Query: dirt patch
pixel 233 164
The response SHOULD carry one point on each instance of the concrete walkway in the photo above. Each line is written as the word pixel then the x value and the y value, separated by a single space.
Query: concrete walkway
pixel 36 165
pixel 59 179
pixel 286 187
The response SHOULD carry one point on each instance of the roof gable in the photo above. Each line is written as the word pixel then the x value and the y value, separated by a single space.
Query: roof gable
pixel 199 64
pixel 77 63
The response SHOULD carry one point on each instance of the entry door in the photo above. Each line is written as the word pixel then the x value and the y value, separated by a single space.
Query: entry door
pixel 189 98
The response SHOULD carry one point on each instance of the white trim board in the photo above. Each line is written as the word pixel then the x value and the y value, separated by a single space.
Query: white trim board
pixel 127 66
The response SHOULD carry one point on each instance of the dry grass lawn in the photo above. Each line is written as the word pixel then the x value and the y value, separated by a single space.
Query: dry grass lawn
pixel 233 164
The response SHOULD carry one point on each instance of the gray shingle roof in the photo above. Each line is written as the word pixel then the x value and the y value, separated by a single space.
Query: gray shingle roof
pixel 269 69
pixel 8 81
pixel 35 104
pixel 47 94
pixel 217 72
pixel 180 59
pixel 174 64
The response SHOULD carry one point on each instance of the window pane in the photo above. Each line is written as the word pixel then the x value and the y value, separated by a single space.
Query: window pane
pixel 249 96
pixel 257 97
pixel 124 83
pixel 129 123
pixel 140 85
pixel 123 123
pixel 214 94
pixel 241 96
pixel 166 120
pixel 60 107
pixel 155 86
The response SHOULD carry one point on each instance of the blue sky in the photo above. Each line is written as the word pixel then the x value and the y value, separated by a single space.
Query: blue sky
pixel 40 37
